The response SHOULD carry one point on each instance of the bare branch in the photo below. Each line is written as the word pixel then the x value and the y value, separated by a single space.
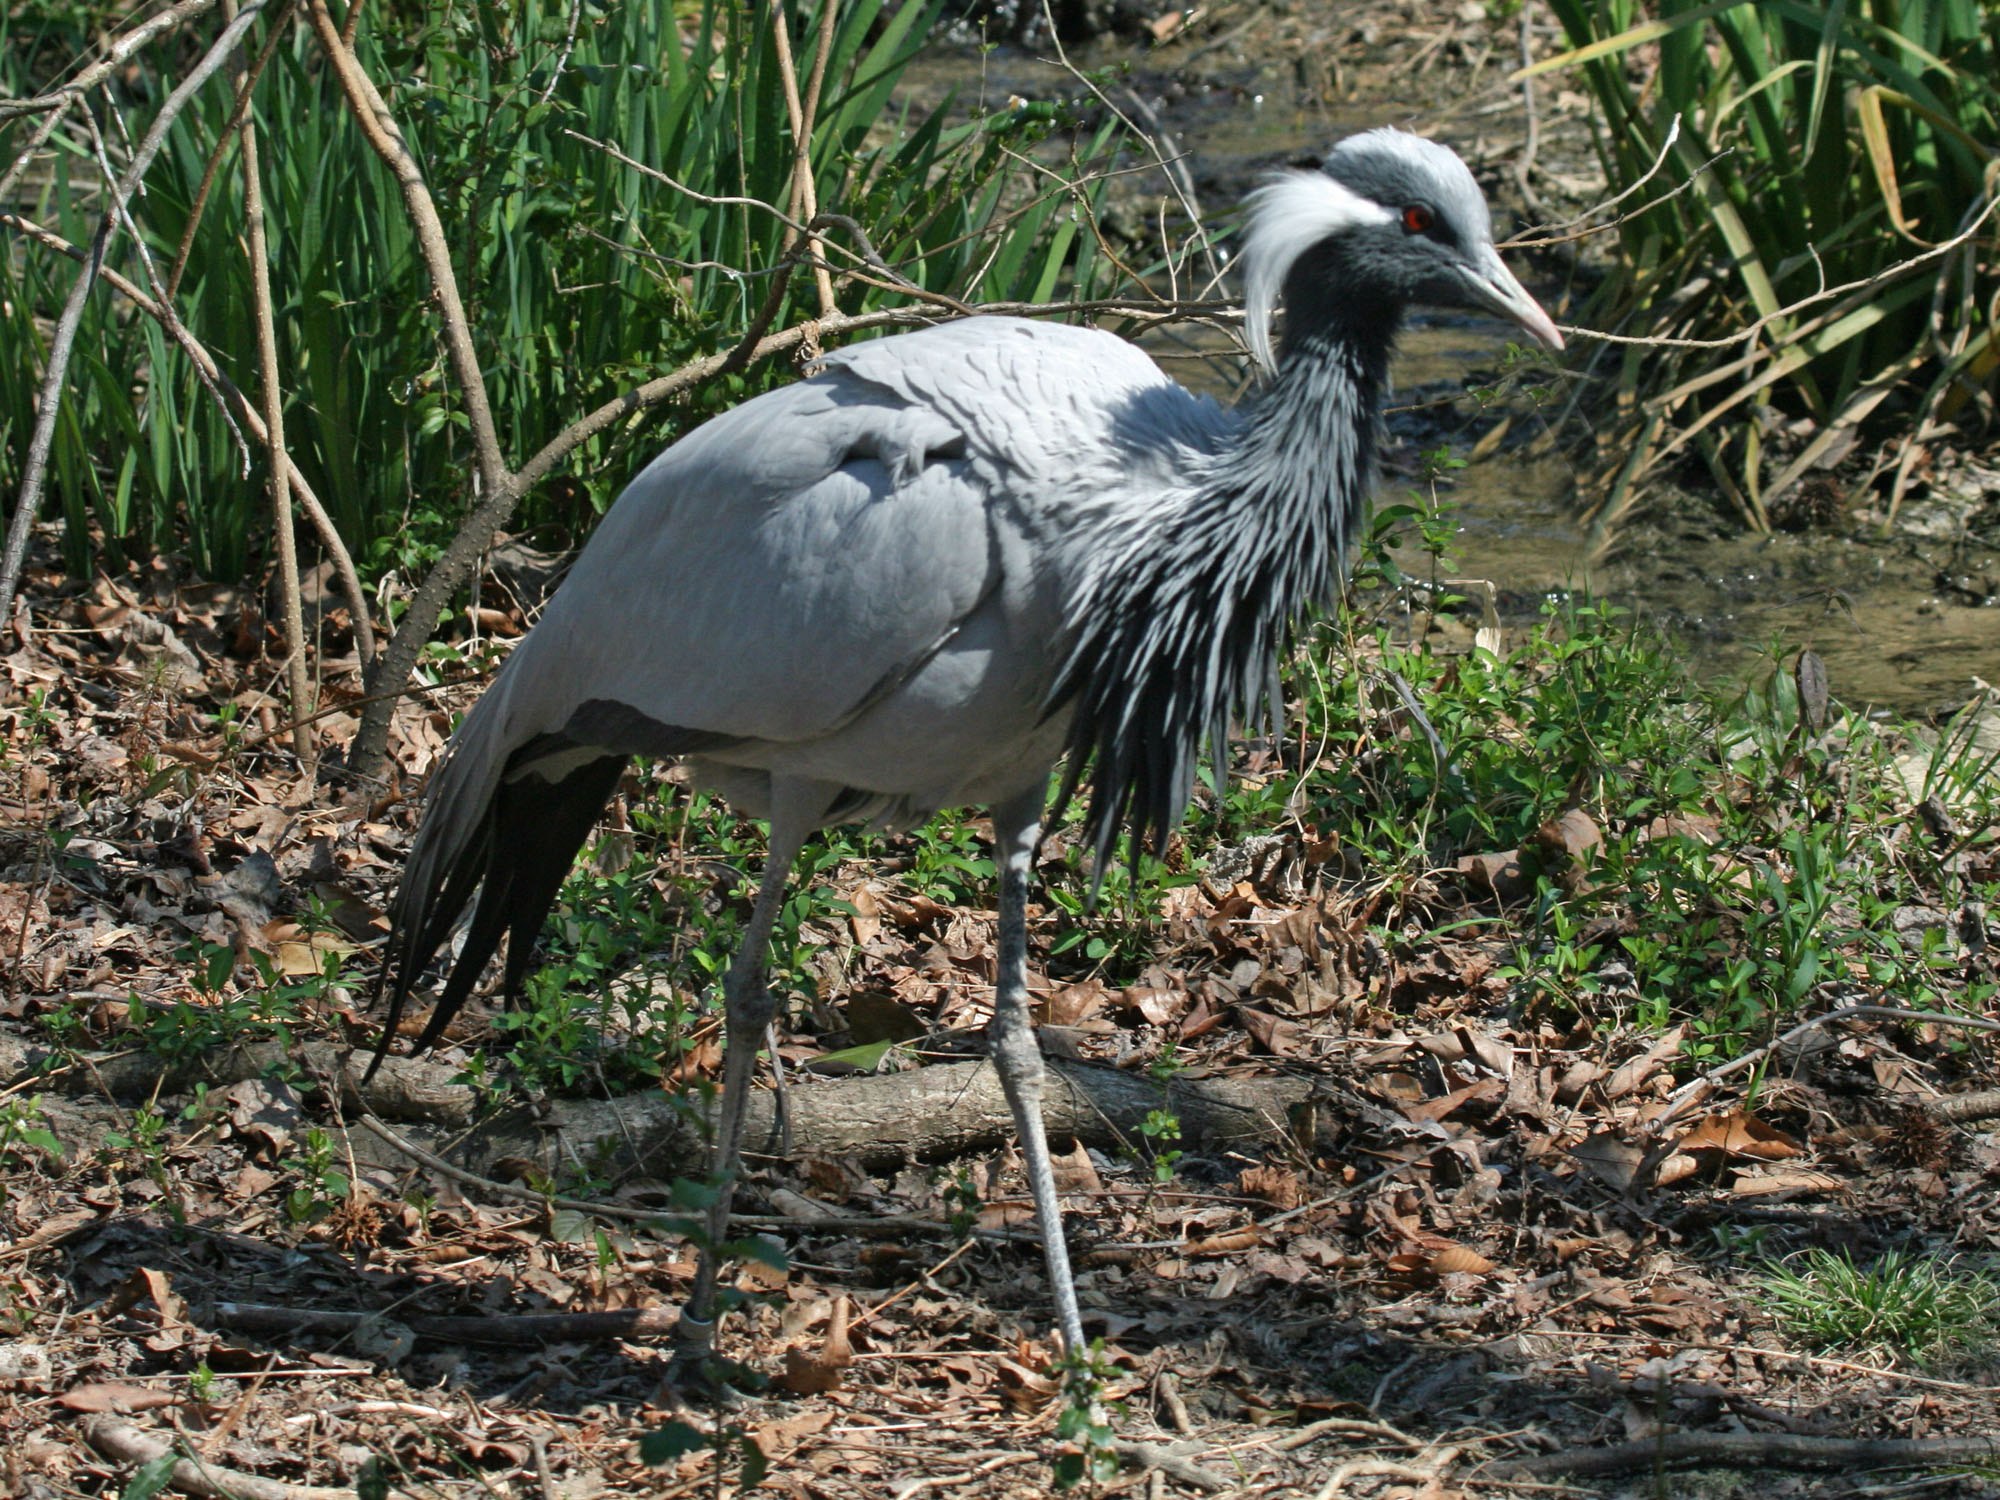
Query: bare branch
pixel 1188 205
pixel 498 489
pixel 285 543
pixel 56 376
pixel 97 72
pixel 38 139
pixel 1698 1089
pixel 244 85
pixel 383 133
pixel 1826 294
pixel 805 195
pixel 221 386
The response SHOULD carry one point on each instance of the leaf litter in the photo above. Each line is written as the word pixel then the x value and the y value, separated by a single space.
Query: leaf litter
pixel 1464 1236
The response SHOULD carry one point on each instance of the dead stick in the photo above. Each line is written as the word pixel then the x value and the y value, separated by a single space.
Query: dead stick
pixel 122 1442
pixel 286 543
pixel 97 72
pixel 1697 1089
pixel 1755 1450
pixel 481 1328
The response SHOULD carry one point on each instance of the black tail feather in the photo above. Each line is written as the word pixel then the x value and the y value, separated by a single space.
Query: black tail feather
pixel 516 857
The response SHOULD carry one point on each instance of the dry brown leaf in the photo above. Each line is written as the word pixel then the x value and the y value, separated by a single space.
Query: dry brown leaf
pixel 1026 1389
pixel 1162 1007
pixel 810 1373
pixel 147 1285
pixel 866 920
pixel 1453 1259
pixel 1276 1035
pixel 1740 1135
pixel 1562 847
pixel 1071 1004
pixel 1697 826
pixel 1610 1159
pixel 777 1439
pixel 1277 1186
pixel 1437 1109
pixel 1076 1172
pixel 1232 1242
pixel 1634 1073
pixel 113 1396
pixel 1763 1185
pixel 1499 875
pixel 1676 1168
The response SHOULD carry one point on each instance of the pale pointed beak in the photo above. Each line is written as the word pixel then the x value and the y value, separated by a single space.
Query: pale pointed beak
pixel 1489 284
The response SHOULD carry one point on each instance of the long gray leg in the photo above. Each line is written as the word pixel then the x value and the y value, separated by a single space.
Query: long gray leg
pixel 748 1013
pixel 1016 826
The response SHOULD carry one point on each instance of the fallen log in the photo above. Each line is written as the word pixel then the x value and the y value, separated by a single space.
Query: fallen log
pixel 932 1112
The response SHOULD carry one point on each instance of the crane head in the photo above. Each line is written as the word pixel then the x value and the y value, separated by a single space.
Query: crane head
pixel 1389 221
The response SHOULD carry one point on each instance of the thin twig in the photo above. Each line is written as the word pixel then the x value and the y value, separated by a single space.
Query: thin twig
pixel 147 31
pixel 1826 294
pixel 1188 205
pixel 246 84
pixel 568 46
pixel 1755 1450
pixel 265 321
pixel 37 139
pixel 171 322
pixel 1659 163
pixel 1524 164
pixel 214 380
pixel 805 194
pixel 1699 1088
pixel 55 377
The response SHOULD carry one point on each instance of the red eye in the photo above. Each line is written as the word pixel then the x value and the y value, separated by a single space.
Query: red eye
pixel 1418 219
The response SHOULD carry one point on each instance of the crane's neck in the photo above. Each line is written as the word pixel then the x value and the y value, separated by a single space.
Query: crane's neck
pixel 1185 633
pixel 1295 486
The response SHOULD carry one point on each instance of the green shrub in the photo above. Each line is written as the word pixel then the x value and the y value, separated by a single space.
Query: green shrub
pixel 1819 146
pixel 582 275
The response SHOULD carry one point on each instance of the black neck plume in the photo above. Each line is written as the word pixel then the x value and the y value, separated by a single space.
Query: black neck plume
pixel 1189 630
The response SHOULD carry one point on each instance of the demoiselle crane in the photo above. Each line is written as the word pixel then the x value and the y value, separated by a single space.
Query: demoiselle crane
pixel 916 580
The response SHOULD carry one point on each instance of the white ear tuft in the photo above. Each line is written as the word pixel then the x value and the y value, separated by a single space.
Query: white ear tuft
pixel 1288 215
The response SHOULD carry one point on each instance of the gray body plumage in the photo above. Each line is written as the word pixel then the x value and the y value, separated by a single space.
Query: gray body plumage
pixel 915 580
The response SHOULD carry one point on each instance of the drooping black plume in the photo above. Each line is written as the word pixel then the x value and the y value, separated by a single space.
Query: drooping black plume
pixel 1188 632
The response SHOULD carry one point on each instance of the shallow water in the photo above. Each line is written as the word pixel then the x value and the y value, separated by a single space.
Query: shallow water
pixel 1903 622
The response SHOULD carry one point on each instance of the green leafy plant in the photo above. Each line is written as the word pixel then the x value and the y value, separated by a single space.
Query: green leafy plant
pixel 24 1129
pixel 1090 1458
pixel 594 274
pixel 1923 1309
pixel 729 1441
pixel 962 1203
pixel 323 1186
pixel 1801 148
